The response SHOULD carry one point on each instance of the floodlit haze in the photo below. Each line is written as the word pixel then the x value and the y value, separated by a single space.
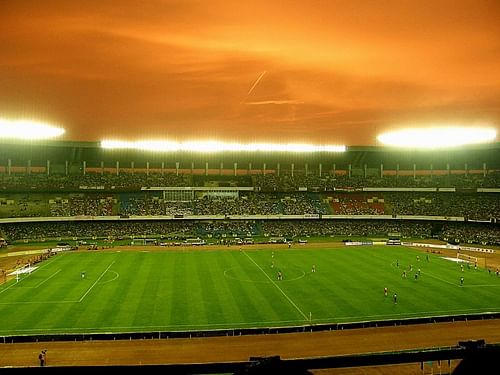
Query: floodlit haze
pixel 325 72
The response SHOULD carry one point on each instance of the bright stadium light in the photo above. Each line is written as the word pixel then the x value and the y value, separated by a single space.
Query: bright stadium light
pixel 217 146
pixel 437 137
pixel 28 130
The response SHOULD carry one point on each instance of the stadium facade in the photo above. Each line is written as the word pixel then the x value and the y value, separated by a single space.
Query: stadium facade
pixel 64 157
pixel 79 191
pixel 435 193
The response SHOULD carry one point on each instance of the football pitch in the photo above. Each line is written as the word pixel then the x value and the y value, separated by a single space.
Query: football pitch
pixel 206 289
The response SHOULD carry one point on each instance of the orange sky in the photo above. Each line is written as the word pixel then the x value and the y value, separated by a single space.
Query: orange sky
pixel 329 72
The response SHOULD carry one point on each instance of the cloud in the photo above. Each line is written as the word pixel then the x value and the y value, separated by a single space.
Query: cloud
pixel 307 70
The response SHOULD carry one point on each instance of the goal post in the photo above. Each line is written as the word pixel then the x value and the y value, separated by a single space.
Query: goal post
pixel 466 257
pixel 472 260
pixel 23 271
pixel 27 268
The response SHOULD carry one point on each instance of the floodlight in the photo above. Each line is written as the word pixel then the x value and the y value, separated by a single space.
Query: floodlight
pixel 437 137
pixel 28 130
pixel 218 146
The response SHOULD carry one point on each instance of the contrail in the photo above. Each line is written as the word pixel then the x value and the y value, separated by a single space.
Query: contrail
pixel 276 102
pixel 256 82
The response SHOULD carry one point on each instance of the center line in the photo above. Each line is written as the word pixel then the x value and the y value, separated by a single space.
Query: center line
pixel 277 286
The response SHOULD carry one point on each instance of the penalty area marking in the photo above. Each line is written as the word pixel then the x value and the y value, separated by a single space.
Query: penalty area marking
pixel 95 282
pixel 457 284
pixel 48 278
pixel 81 298
pixel 117 275
pixel 277 286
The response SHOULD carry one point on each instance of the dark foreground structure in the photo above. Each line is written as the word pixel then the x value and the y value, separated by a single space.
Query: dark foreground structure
pixel 476 357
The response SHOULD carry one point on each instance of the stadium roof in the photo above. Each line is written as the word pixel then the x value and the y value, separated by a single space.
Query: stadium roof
pixel 77 151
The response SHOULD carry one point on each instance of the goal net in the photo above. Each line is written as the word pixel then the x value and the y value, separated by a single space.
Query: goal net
pixel 22 271
pixel 471 260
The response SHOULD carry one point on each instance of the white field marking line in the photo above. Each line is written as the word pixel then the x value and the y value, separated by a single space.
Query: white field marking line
pixel 7 288
pixel 95 282
pixel 160 327
pixel 18 281
pixel 40 283
pixel 440 279
pixel 48 278
pixel 51 260
pixel 43 302
pixel 422 314
pixel 481 286
pixel 38 268
pixel 276 285
pixel 446 281
pixel 256 281
pixel 34 302
pixel 225 326
pixel 463 286
pixel 273 324
pixel 117 275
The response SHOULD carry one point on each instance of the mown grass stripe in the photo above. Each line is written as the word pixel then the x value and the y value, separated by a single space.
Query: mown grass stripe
pixel 203 289
pixel 276 285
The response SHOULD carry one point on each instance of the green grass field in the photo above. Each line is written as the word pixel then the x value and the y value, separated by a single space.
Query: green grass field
pixel 133 291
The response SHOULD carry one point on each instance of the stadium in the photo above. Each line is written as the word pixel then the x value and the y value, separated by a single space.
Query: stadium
pixel 233 187
pixel 106 245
